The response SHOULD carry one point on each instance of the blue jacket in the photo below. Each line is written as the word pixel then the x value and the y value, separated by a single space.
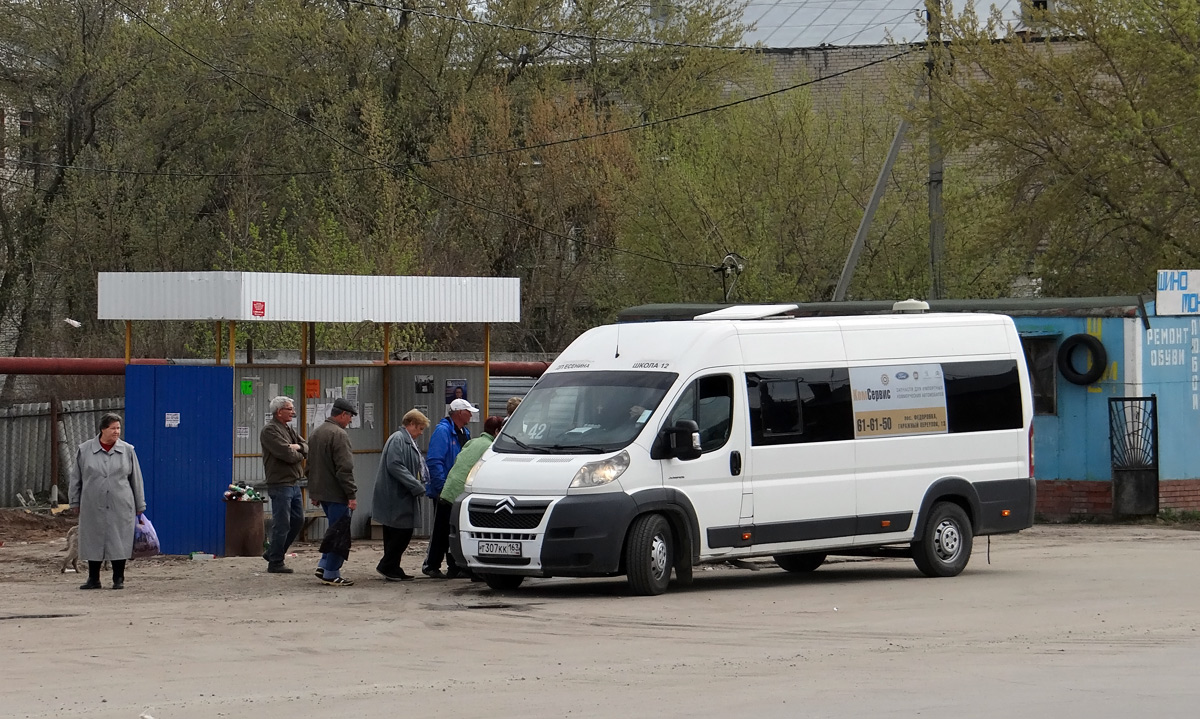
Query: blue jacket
pixel 443 450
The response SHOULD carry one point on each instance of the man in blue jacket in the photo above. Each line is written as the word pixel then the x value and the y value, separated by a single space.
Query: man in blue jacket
pixel 447 441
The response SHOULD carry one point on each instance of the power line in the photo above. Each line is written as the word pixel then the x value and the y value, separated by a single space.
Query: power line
pixel 555 33
pixel 673 118
pixel 490 153
pixel 414 178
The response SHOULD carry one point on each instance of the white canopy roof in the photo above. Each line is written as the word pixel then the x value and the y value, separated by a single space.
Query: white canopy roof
pixel 282 297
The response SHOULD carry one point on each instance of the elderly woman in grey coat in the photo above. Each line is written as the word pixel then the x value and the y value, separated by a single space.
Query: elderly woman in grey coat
pixel 399 485
pixel 106 492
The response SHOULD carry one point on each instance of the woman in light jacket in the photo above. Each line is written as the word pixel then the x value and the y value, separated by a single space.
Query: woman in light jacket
pixel 399 484
pixel 106 492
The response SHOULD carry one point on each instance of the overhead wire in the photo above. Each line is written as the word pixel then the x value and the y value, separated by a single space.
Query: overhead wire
pixel 489 153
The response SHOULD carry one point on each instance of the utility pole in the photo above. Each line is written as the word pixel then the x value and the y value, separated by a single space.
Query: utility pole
pixel 937 221
pixel 864 225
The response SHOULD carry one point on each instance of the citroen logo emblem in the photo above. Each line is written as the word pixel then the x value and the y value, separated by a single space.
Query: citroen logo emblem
pixel 505 505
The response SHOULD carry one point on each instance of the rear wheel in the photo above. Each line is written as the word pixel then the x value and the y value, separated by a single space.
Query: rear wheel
pixel 945 546
pixel 649 555
pixel 503 582
pixel 799 562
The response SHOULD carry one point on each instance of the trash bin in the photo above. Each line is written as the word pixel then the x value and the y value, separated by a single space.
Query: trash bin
pixel 244 529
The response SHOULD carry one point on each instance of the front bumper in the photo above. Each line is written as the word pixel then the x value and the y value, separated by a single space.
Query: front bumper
pixel 573 536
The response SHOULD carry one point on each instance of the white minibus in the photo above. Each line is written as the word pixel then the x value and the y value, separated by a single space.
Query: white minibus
pixel 651 447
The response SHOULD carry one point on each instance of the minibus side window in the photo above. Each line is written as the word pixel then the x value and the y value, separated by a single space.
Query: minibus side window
pixel 982 396
pixel 794 406
pixel 708 401
pixel 780 402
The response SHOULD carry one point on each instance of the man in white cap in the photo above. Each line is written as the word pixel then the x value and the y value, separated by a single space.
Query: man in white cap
pixel 447 441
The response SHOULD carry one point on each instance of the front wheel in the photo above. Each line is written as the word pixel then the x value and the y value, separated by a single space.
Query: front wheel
pixel 649 555
pixel 945 547
pixel 503 582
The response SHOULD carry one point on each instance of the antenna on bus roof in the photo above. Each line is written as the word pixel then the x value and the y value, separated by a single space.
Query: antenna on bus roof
pixel 617 347
pixel 910 306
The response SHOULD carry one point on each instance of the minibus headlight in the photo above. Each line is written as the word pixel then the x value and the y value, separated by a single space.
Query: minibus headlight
pixel 595 474
pixel 471 475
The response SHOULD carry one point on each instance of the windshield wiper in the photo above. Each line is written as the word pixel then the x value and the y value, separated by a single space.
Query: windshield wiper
pixel 522 445
pixel 582 448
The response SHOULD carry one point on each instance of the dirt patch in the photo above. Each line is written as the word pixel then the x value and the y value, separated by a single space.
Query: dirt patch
pixel 22 525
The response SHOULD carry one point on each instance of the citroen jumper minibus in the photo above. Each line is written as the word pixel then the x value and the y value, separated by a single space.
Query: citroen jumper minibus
pixel 651 447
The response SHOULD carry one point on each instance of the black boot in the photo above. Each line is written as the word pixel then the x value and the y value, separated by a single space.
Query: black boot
pixel 118 566
pixel 93 580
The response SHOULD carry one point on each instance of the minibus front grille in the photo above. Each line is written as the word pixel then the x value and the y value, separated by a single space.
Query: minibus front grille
pixel 507 513
pixel 505 520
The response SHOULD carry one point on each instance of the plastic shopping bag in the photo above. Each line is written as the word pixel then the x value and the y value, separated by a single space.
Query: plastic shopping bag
pixel 145 539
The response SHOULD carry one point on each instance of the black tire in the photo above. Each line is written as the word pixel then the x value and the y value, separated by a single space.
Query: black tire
pixel 1095 349
pixel 945 547
pixel 649 555
pixel 503 582
pixel 799 562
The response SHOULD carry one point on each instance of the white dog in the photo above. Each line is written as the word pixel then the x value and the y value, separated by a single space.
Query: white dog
pixel 72 557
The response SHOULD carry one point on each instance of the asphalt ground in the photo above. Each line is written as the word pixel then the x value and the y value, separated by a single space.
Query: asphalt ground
pixel 1065 621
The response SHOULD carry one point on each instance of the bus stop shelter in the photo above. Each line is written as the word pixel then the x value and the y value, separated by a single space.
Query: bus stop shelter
pixel 196 426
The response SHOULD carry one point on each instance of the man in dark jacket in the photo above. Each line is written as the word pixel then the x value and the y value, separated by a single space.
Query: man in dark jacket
pixel 331 480
pixel 283 463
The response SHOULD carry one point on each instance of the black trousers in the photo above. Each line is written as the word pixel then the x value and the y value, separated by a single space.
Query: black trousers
pixel 439 541
pixel 395 541
pixel 118 567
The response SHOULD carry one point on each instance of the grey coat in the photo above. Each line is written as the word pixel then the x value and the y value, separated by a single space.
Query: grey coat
pixel 398 483
pixel 106 488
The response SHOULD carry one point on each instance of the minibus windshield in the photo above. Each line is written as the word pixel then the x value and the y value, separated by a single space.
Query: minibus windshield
pixel 583 412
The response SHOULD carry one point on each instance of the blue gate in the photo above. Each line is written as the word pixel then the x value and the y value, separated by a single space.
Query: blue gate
pixel 180 418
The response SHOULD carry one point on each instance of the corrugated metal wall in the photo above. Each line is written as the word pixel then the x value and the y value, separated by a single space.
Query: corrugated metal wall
pixel 501 388
pixel 25 449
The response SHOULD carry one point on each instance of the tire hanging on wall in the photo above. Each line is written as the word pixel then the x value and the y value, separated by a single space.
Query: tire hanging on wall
pixel 1095 349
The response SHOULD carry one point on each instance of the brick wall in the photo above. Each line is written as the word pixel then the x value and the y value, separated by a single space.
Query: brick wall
pixel 1179 494
pixel 790 66
pixel 1058 500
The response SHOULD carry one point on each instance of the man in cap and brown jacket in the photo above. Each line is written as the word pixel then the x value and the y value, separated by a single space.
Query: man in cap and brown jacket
pixel 331 480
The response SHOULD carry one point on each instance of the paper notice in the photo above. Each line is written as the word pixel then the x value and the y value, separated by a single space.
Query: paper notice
pixel 172 419
pixel 243 432
pixel 368 414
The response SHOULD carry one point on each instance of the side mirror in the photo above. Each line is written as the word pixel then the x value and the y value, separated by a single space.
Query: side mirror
pixel 680 442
